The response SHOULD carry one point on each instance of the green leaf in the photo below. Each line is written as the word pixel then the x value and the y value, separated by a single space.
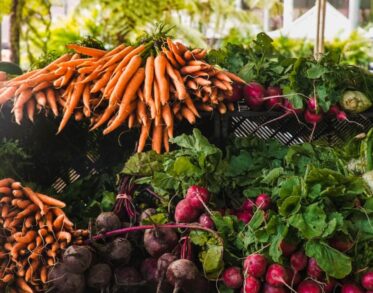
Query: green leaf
pixel 164 181
pixel 224 225
pixel 333 262
pixel 289 187
pixel 239 164
pixel 273 175
pixel 212 260
pixel 257 220
pixel 199 237
pixel 184 167
pixel 143 164
pixel 160 218
pixel 108 200
pixel 289 206
pixel 316 71
pixel 225 289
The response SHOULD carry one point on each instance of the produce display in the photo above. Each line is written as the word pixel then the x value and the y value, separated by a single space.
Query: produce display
pixel 34 231
pixel 148 85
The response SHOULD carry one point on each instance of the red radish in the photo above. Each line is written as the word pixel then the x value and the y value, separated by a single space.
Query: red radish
pixel 289 106
pixel 248 205
pixel 287 248
pixel 244 216
pixel 255 265
pixel 312 118
pixel 237 93
pixel 276 99
pixel 351 288
pixel 276 275
pixel 185 213
pixel 232 277
pixel 309 286
pixel 271 289
pixel 196 196
pixel 263 201
pixel 341 243
pixel 334 110
pixel 205 221
pixel 313 270
pixel 294 277
pixel 298 261
pixel 367 281
pixel 254 93
pixel 329 285
pixel 312 104
pixel 251 285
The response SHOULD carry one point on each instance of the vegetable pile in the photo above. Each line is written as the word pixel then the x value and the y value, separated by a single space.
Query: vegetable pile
pixel 34 231
pixel 149 85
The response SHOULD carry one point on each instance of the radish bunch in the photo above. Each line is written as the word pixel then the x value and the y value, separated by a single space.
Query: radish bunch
pixel 247 209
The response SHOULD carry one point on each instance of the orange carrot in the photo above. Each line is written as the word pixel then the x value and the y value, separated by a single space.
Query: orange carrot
pixel 128 57
pixel 50 201
pixel 234 77
pixel 177 81
pixel 157 138
pixel 131 120
pixel 93 75
pixel 60 71
pixel 157 99
pixel 160 63
pixel 101 82
pixel 165 140
pixel 7 94
pixel 18 114
pixel 181 49
pixel 170 57
pixel 174 50
pixel 117 57
pixel 86 99
pixel 41 86
pixel 205 107
pixel 141 112
pixel 6 182
pixel 149 77
pixel 145 128
pixel 29 237
pixel 41 99
pixel 34 198
pixel 190 69
pixel 86 50
pixel 31 109
pixel 168 119
pixel 44 274
pixel 51 99
pixel 63 235
pixel 201 81
pixel 188 115
pixel 23 285
pixel 23 98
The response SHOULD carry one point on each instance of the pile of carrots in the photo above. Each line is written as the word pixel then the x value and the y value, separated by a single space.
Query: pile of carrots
pixel 149 86
pixel 33 232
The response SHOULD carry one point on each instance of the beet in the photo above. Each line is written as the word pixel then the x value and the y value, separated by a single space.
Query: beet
pixel 107 221
pixel 271 289
pixel 298 261
pixel 309 286
pixel 206 221
pixel 255 265
pixel 183 274
pixel 160 240
pixel 263 201
pixel 148 269
pixel 162 265
pixel 232 277
pixel 127 276
pixel 367 281
pixel 196 195
pixel 351 288
pixel 147 214
pixel 119 251
pixel 77 259
pixel 254 93
pixel 185 213
pixel 248 205
pixel 313 270
pixel 251 285
pixel 237 93
pixel 99 276
pixel 62 281
pixel 287 248
pixel 276 275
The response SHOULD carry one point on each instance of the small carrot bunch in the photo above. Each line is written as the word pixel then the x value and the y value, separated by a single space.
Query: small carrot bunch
pixel 33 232
pixel 148 86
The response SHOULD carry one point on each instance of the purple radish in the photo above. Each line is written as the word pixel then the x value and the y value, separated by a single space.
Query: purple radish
pixel 206 221
pixel 313 270
pixel 351 288
pixel 309 286
pixel 196 196
pixel 160 240
pixel 276 99
pixel 232 277
pixel 244 216
pixel 237 93
pixel 248 205
pixel 272 289
pixel 255 265
pixel 185 213
pixel 367 281
pixel 254 93
pixel 298 261
pixel 251 285
pixel 263 201
pixel 277 275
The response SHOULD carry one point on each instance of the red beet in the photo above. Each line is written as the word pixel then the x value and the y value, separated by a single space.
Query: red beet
pixel 254 93
pixel 367 281
pixel 313 270
pixel 237 93
pixel 232 277
pixel 148 269
pixel 244 216
pixel 287 248
pixel 255 265
pixel 248 205
pixel 160 240
pixel 185 213
pixel 351 288
pixel 263 201
pixel 276 93
pixel 196 195
pixel 298 261
pixel 276 275
pixel 206 221
pixel 309 286
pixel 272 289
pixel 251 285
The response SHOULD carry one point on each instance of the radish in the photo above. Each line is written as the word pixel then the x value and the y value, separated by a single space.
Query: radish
pixel 287 248
pixel 341 243
pixel 255 265
pixel 160 240
pixel 254 93
pixel 351 288
pixel 196 196
pixel 237 93
pixel 367 281
pixel 185 213
pixel 275 94
pixel 276 275
pixel 329 285
pixel 205 221
pixel 251 285
pixel 232 277
pixel 313 270
pixel 298 261
pixel 312 118
pixel 293 277
pixel 248 205
pixel 263 201
pixel 272 289
pixel 309 286
pixel 312 104
pixel 244 216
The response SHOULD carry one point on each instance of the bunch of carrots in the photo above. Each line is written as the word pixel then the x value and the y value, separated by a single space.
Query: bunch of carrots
pixel 149 86
pixel 33 232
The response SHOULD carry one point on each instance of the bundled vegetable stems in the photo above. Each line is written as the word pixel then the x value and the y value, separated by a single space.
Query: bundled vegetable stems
pixel 146 86
pixel 33 231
